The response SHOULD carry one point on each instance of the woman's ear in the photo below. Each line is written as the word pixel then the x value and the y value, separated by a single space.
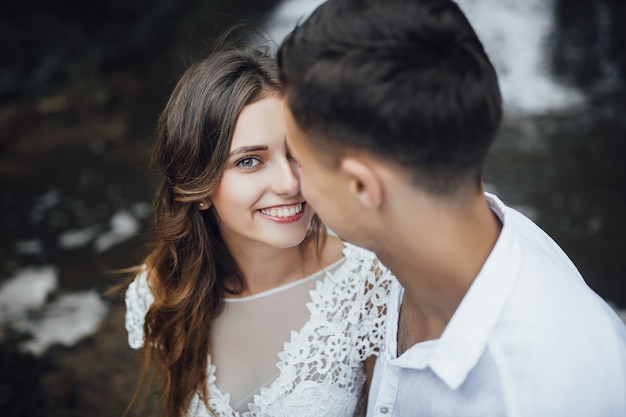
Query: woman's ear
pixel 204 204
pixel 364 181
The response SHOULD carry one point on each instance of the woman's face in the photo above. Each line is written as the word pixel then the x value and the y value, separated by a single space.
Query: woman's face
pixel 258 200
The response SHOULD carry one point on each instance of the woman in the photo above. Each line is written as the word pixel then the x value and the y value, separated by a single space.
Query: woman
pixel 245 305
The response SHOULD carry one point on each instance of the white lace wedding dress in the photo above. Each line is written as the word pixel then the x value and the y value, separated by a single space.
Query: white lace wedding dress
pixel 294 351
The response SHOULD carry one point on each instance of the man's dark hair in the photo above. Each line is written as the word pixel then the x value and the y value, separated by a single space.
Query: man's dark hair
pixel 405 80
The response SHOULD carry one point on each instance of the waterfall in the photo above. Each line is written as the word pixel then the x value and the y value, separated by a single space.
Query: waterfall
pixel 515 35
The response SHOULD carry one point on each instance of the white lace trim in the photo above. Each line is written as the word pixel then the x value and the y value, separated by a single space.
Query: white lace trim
pixel 321 371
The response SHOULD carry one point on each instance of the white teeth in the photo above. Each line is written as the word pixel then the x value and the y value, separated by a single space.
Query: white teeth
pixel 283 212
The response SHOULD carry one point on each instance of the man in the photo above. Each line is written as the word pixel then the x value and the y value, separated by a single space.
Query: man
pixel 391 108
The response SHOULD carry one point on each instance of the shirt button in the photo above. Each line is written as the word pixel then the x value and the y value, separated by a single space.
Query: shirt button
pixel 384 410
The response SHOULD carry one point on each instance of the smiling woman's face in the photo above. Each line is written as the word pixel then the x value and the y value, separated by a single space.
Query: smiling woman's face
pixel 258 200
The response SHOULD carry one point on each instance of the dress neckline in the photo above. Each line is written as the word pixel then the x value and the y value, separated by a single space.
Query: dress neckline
pixel 288 345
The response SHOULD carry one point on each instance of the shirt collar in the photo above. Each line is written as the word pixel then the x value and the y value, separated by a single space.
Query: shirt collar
pixel 465 337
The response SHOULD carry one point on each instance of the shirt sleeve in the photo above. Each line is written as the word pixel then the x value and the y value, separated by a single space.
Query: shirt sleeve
pixel 138 300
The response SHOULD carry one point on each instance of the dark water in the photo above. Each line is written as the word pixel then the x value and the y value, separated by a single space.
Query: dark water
pixel 74 147
pixel 566 171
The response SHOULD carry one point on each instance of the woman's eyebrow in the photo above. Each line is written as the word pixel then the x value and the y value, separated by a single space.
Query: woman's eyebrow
pixel 246 149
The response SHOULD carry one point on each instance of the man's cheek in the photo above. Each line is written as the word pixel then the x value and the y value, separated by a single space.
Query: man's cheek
pixel 303 186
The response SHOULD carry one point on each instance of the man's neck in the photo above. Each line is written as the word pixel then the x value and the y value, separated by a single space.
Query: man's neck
pixel 435 256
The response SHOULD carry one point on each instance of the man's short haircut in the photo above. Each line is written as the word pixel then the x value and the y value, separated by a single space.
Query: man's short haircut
pixel 404 80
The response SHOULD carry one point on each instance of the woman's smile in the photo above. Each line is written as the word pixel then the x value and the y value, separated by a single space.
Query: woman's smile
pixel 284 213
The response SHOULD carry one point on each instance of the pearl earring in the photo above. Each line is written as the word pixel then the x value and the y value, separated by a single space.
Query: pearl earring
pixel 201 204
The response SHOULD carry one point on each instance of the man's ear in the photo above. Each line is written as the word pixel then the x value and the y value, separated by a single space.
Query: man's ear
pixel 364 181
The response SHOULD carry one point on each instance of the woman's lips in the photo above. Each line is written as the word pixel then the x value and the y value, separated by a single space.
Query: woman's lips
pixel 287 213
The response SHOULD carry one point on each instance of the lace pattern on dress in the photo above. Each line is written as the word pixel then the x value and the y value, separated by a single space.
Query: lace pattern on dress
pixel 138 299
pixel 321 366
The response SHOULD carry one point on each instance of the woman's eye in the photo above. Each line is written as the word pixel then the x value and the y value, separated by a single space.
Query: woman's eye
pixel 248 163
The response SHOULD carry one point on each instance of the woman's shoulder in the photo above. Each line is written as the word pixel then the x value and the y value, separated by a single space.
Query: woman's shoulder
pixel 361 267
pixel 363 260
pixel 336 248
pixel 138 300
pixel 356 294
pixel 141 281
pixel 352 251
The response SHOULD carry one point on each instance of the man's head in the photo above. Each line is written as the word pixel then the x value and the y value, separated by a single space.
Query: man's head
pixel 405 82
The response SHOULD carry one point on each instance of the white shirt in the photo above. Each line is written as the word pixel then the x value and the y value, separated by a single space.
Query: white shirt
pixel 529 339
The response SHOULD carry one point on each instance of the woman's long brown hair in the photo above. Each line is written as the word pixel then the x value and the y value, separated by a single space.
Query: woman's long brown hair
pixel 190 268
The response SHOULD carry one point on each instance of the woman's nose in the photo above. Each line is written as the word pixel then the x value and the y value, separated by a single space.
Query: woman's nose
pixel 286 181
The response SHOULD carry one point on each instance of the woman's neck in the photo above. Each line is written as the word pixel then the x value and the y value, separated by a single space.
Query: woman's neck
pixel 264 268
